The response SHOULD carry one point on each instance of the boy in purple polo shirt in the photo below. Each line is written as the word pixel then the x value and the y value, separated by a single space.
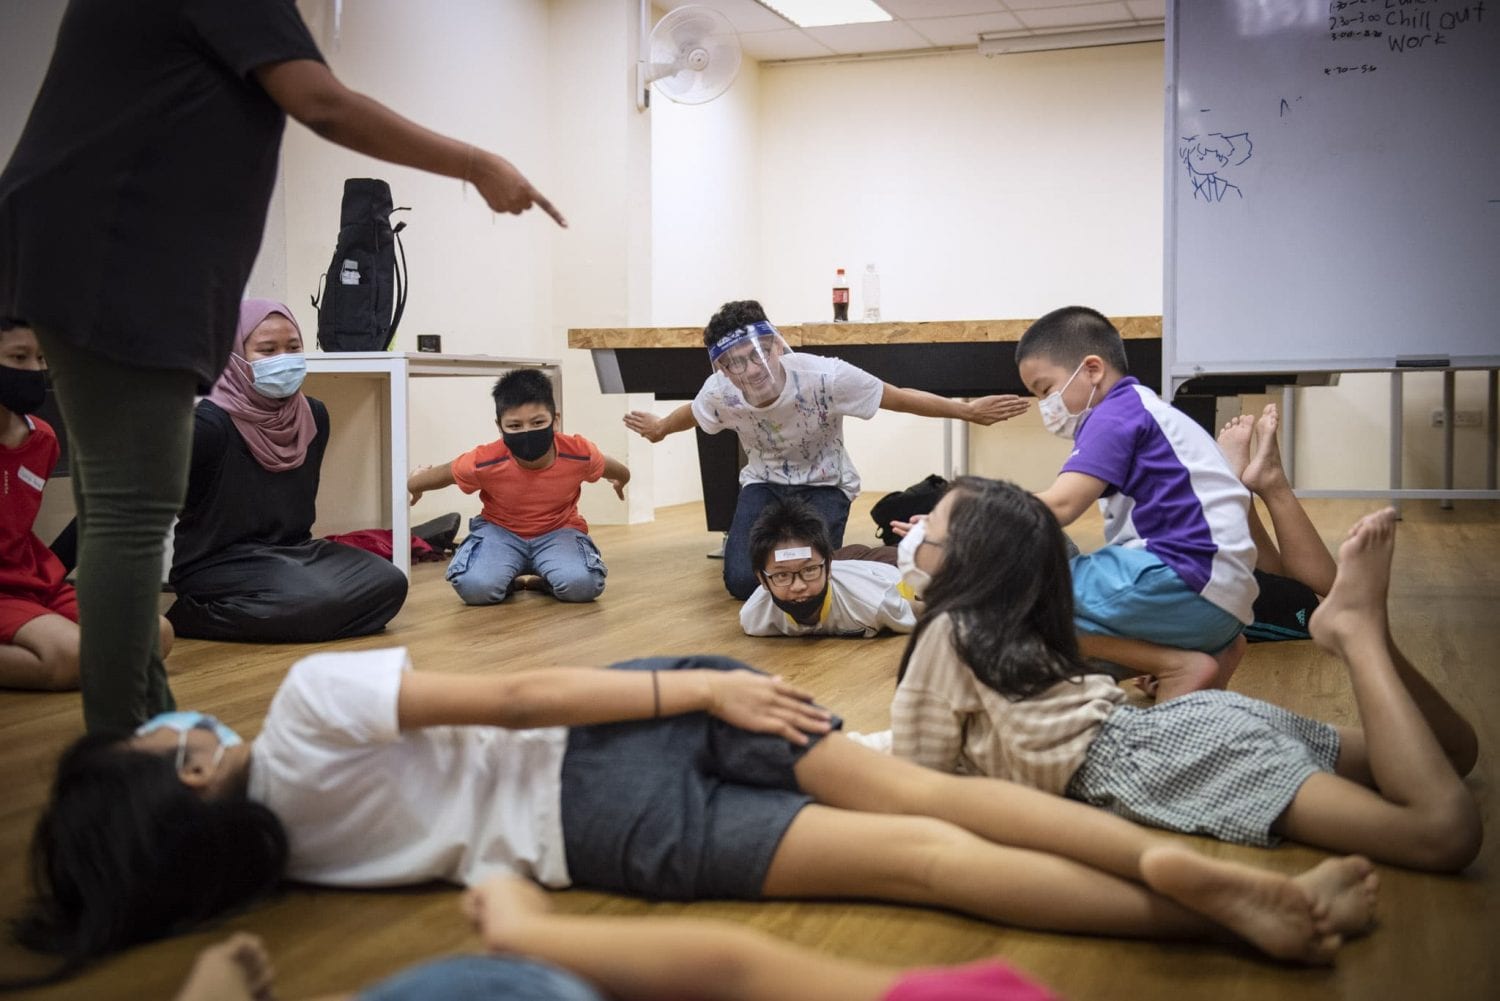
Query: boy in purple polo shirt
pixel 1171 591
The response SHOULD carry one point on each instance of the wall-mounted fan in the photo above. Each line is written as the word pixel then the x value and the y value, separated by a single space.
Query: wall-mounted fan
pixel 692 56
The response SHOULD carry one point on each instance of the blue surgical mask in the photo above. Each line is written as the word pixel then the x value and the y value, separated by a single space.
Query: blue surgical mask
pixel 279 376
pixel 185 721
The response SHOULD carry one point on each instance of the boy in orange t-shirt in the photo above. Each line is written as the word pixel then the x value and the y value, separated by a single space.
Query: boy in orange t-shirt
pixel 529 482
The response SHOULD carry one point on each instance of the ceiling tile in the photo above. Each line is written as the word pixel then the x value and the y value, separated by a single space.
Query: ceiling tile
pixel 745 15
pixel 1046 4
pixel 1076 16
pixel 848 39
pixel 962 30
pixel 789 43
pixel 912 9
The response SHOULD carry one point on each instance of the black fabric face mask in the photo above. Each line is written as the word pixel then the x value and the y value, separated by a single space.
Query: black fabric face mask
pixel 528 446
pixel 22 390
pixel 807 608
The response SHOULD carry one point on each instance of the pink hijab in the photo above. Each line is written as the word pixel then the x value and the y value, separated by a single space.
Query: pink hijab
pixel 277 431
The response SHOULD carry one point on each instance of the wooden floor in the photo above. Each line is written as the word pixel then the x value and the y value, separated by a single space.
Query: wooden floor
pixel 1439 937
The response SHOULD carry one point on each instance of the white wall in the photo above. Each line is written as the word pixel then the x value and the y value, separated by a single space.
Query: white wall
pixel 545 85
pixel 980 188
pixel 28 29
pixel 989 188
pixel 705 231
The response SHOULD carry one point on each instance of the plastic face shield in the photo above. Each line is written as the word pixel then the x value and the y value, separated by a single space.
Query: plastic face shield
pixel 750 357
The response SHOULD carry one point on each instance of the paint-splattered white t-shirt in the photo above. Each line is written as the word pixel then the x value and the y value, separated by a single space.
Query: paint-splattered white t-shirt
pixel 797 440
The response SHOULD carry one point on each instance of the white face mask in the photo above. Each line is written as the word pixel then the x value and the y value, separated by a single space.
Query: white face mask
pixel 912 575
pixel 1055 415
pixel 279 376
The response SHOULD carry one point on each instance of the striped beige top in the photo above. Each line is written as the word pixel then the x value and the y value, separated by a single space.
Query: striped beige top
pixel 946 718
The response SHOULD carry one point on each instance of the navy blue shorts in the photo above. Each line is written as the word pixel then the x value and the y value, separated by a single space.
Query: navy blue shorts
pixel 682 808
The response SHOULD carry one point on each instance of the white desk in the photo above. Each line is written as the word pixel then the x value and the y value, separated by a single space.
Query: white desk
pixel 395 369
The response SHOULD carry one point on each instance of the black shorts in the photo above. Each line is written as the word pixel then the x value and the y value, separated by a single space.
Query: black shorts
pixel 682 808
pixel 1282 609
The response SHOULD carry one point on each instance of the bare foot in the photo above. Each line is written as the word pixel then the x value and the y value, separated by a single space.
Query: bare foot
pixel 1275 914
pixel 1355 607
pixel 1343 891
pixel 1265 471
pixel 237 969
pixel 1234 442
pixel 1184 671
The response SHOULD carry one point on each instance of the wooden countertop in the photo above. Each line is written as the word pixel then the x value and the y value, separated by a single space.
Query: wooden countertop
pixel 924 332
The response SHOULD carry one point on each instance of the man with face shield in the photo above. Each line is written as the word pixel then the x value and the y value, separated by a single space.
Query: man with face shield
pixel 788 410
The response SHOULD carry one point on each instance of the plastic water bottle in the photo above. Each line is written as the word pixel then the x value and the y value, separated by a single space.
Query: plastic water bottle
pixel 871 297
pixel 840 297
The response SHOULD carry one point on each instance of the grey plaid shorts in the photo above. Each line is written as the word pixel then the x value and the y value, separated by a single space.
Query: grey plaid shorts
pixel 1214 762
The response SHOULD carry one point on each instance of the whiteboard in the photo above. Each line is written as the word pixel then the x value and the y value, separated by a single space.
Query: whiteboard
pixel 1333 186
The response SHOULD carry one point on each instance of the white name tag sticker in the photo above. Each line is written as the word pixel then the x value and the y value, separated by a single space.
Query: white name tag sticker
pixel 31 479
pixel 800 553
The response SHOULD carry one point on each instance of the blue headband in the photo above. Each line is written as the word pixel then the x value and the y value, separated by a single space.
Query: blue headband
pixel 758 329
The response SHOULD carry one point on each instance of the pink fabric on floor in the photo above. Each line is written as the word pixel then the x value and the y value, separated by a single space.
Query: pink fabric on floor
pixel 378 541
pixel 986 980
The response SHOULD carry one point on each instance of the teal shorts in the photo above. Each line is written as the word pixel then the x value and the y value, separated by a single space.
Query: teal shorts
pixel 1130 593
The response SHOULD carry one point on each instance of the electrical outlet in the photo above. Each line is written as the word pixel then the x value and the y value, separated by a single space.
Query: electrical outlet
pixel 1461 418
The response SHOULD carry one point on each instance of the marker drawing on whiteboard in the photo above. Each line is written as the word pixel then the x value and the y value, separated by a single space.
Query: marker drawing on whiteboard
pixel 1207 157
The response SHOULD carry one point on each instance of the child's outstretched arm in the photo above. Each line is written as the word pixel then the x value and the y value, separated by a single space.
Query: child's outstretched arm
pixel 650 958
pixel 579 696
pixel 986 410
pixel 1071 494
pixel 425 478
pixel 654 428
pixel 617 473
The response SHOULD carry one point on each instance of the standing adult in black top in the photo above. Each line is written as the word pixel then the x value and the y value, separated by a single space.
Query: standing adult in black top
pixel 130 214
pixel 244 564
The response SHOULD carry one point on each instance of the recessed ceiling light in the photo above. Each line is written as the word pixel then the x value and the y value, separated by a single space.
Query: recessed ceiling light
pixel 821 13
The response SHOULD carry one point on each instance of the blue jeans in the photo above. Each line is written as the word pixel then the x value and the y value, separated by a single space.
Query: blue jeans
pixel 491 557
pixel 481 978
pixel 739 576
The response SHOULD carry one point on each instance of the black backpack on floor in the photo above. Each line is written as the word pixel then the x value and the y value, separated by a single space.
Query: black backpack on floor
pixel 362 285
pixel 919 498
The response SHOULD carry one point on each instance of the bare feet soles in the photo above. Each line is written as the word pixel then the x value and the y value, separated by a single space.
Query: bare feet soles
pixel 1354 610
pixel 1234 442
pixel 1277 915
pixel 1184 671
pixel 1265 472
pixel 1344 891
pixel 237 969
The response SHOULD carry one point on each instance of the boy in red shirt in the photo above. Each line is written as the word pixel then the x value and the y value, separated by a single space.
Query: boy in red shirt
pixel 38 608
pixel 529 482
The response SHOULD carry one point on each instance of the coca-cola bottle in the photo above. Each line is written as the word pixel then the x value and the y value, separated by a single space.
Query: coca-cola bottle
pixel 840 297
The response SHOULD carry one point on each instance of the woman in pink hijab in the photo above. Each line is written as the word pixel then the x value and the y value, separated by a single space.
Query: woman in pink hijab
pixel 244 563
